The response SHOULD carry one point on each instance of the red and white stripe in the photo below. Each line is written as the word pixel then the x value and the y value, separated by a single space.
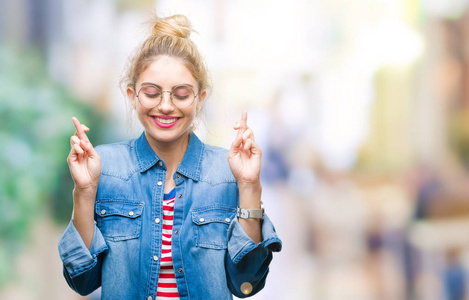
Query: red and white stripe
pixel 167 288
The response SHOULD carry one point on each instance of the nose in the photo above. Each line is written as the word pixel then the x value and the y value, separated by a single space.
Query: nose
pixel 166 105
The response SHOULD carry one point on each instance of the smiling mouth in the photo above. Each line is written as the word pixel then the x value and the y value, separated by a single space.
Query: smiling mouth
pixel 166 121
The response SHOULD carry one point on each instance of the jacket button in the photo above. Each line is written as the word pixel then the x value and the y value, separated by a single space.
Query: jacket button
pixel 160 163
pixel 103 212
pixel 178 176
pixel 246 288
pixel 149 298
pixel 176 231
pixel 180 196
pixel 180 270
pixel 157 220
pixel 227 220
pixel 155 258
pixel 160 183
pixel 201 219
pixel 131 213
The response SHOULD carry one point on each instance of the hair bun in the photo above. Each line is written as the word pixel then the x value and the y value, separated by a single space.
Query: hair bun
pixel 177 25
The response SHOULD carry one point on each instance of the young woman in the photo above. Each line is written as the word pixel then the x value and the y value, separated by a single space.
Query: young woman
pixel 166 216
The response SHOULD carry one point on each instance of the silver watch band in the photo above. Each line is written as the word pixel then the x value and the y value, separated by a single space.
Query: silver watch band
pixel 250 213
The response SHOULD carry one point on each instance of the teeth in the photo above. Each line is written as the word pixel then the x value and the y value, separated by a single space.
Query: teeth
pixel 166 121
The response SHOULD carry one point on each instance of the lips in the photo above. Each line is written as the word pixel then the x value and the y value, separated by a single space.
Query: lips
pixel 165 121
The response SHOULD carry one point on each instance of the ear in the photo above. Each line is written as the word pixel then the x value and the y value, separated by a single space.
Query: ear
pixel 131 95
pixel 202 96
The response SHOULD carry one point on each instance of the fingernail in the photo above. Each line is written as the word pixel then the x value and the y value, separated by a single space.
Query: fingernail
pixel 237 124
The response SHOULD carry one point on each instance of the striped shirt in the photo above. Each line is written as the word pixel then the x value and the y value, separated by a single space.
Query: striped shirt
pixel 167 288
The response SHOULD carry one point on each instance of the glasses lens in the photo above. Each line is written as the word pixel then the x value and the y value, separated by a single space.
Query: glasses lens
pixel 149 96
pixel 183 96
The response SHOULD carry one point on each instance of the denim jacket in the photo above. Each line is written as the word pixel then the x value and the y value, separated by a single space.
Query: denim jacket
pixel 213 257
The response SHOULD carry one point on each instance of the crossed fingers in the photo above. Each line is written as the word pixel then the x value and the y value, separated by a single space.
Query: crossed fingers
pixel 79 141
pixel 80 130
pixel 245 135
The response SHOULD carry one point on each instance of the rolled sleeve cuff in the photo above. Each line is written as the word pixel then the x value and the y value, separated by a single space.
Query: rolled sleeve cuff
pixel 75 255
pixel 240 244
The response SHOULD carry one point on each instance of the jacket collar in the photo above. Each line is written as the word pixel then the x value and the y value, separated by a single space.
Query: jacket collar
pixel 189 166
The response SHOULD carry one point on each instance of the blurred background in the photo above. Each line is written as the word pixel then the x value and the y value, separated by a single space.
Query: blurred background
pixel 361 108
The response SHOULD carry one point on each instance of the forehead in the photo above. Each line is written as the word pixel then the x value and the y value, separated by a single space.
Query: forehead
pixel 167 71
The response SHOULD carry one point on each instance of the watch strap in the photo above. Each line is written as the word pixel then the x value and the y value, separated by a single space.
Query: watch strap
pixel 250 213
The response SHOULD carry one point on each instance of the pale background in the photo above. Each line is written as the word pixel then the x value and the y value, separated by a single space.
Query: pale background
pixel 361 108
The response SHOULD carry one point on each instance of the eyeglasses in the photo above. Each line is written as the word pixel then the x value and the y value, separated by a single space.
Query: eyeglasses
pixel 150 96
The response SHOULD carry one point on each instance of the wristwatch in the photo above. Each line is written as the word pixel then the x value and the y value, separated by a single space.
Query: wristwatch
pixel 250 213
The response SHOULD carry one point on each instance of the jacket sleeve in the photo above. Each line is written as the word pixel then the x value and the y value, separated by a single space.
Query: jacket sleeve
pixel 247 263
pixel 82 267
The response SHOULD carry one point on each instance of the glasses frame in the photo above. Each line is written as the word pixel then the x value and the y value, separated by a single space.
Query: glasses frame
pixel 170 95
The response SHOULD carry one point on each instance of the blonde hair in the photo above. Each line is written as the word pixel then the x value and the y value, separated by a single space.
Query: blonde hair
pixel 169 36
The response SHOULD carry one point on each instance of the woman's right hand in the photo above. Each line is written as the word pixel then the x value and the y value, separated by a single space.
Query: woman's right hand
pixel 83 160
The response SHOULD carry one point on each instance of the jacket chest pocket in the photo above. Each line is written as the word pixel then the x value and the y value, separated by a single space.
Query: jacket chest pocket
pixel 119 221
pixel 211 230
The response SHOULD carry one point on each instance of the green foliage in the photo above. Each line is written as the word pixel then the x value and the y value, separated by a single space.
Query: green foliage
pixel 35 129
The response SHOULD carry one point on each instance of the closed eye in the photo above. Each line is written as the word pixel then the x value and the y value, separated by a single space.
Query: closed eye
pixel 151 92
pixel 182 93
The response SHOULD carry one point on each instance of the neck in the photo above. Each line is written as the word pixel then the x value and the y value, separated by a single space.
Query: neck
pixel 172 152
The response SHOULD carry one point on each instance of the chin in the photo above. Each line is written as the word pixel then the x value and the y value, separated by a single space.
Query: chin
pixel 167 136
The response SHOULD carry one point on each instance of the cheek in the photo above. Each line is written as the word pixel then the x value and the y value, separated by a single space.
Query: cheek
pixel 192 112
pixel 141 111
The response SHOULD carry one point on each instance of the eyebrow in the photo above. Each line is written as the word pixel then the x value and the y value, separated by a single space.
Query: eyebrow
pixel 158 86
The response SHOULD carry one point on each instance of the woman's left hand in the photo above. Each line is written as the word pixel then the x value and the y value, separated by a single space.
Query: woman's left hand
pixel 245 155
